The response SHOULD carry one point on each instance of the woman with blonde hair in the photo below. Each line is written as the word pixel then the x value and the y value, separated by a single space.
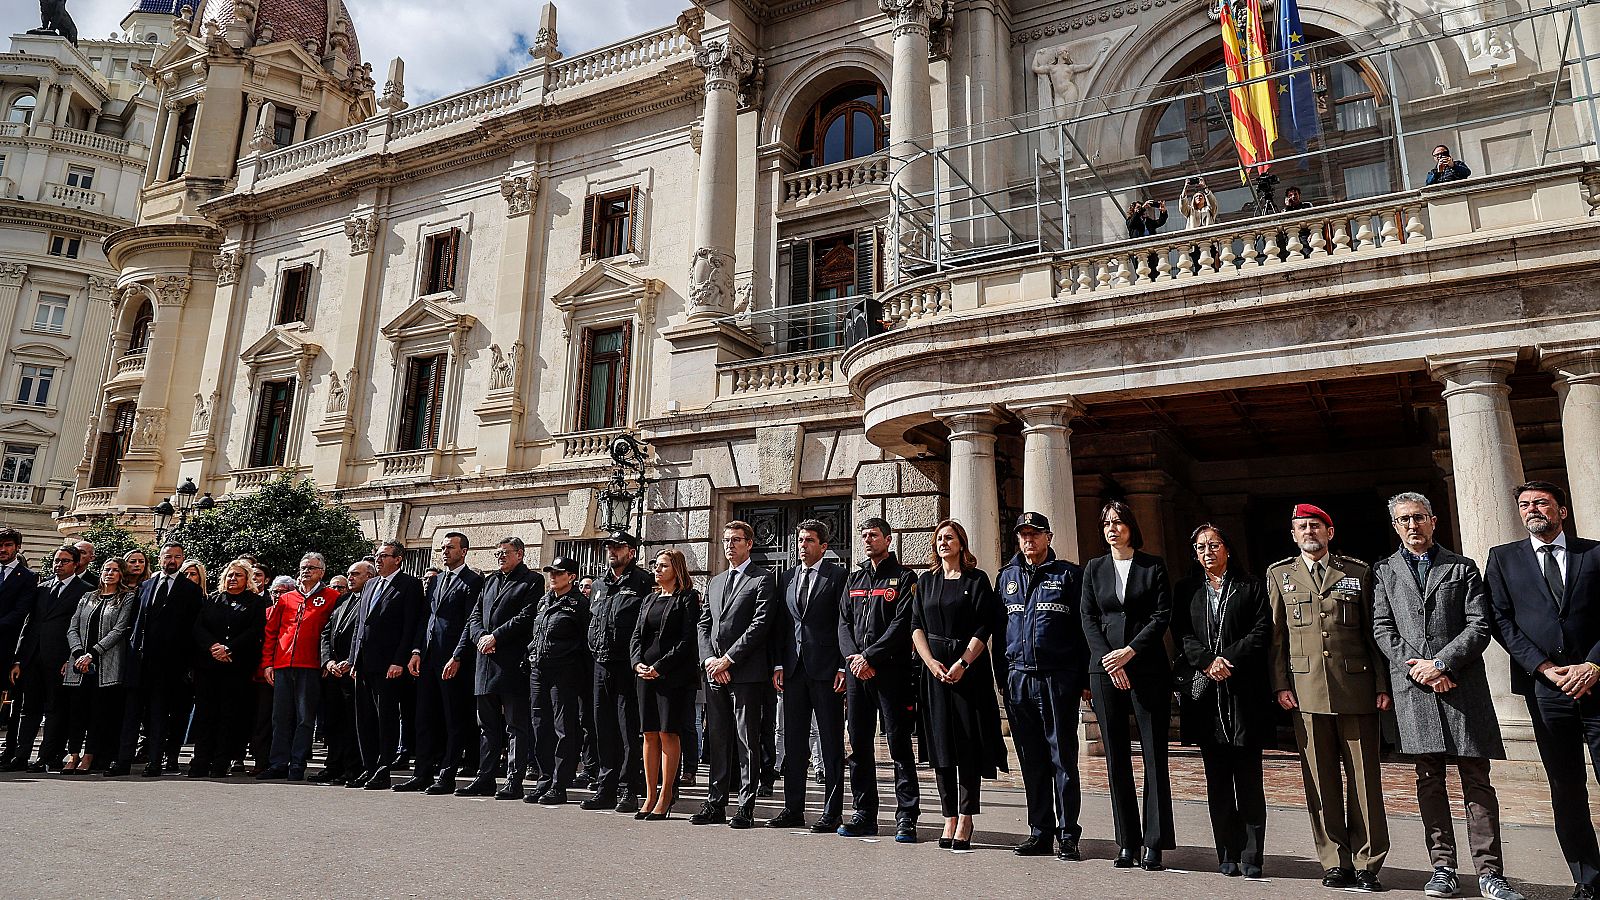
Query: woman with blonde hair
pixel 138 568
pixel 96 666
pixel 230 628
pixel 665 649
pixel 195 571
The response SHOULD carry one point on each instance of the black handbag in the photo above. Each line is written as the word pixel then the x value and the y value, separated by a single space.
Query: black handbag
pixel 1201 684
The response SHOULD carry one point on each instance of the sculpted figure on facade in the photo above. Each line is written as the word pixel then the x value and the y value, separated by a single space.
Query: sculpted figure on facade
pixel 362 229
pixel 227 263
pixel 171 290
pixel 338 398
pixel 201 422
pixel 710 280
pixel 149 428
pixel 519 192
pixel 54 19
pixel 1061 76
pixel 503 367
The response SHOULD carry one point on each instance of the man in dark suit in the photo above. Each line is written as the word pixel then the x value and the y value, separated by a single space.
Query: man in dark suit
pixel 809 672
pixel 387 623
pixel 17 582
pixel 446 725
pixel 338 685
pixel 35 670
pixel 1545 597
pixel 160 664
pixel 497 632
pixel 733 648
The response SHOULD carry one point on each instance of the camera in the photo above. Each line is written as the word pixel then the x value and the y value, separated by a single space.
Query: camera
pixel 1192 182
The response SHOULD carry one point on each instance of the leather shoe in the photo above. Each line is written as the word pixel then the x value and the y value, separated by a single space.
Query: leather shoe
pixel 511 791
pixel 598 801
pixel 151 770
pixel 326 776
pixel 825 826
pixel 441 787
pixel 1068 850
pixel 116 770
pixel 413 784
pixel 39 768
pixel 1151 862
pixel 359 780
pixel 709 814
pixel 478 787
pixel 272 772
pixel 1230 869
pixel 1368 881
pixel 1338 877
pixel 1250 870
pixel 786 819
pixel 553 797
pixel 742 820
pixel 539 789
pixel 380 781
pixel 627 803
pixel 860 826
pixel 905 831
pixel 1035 845
pixel 1127 858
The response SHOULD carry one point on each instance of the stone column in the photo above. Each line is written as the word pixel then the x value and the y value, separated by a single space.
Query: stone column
pixel 199 113
pixel 162 158
pixel 64 106
pixel 1148 493
pixel 141 467
pixel 12 274
pixel 1577 371
pixel 44 111
pixel 1487 466
pixel 301 117
pixel 711 273
pixel 974 491
pixel 252 114
pixel 83 392
pixel 1047 470
pixel 910 104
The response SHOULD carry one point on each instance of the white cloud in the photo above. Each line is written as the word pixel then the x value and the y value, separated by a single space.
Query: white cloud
pixel 447 46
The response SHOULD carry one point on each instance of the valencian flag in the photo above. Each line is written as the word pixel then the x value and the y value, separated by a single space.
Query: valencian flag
pixel 1295 101
pixel 1253 107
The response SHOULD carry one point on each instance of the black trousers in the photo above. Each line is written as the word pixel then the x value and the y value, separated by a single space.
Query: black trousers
pixel 406 691
pixel 502 717
pixel 339 725
pixel 733 741
pixel 803 699
pixel 556 701
pixel 958 790
pixel 156 701
pixel 95 723
pixel 1043 709
pixel 1237 801
pixel 378 719
pixel 41 701
pixel 769 732
pixel 888 696
pixel 1150 703
pixel 224 712
pixel 1562 727
pixel 446 725
pixel 619 745
pixel 260 744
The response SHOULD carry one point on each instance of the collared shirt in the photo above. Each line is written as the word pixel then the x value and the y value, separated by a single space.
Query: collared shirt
pixel 1311 564
pixel 7 569
pixel 1560 553
pixel 1420 563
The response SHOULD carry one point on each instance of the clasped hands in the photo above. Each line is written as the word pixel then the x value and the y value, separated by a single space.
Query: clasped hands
pixel 1575 681
pixel 717 669
pixel 1423 673
pixel 1114 664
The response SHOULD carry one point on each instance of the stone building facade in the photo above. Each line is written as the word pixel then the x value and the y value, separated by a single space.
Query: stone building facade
pixel 445 312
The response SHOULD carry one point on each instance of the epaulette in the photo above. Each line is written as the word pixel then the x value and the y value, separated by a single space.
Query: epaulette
pixel 1283 562
pixel 1348 560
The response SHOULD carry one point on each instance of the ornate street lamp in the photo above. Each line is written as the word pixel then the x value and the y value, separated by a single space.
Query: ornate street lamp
pixel 619 499
pixel 163 513
pixel 184 498
pixel 616 504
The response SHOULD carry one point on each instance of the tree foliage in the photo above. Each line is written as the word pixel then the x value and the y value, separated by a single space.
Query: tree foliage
pixel 111 538
pixel 277 525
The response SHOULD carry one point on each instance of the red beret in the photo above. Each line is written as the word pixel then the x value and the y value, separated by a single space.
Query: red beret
pixel 1307 511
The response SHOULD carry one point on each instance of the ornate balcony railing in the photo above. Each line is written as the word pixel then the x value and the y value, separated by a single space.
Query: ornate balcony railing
pixel 778 373
pixel 458 107
pixel 12 129
pixel 131 362
pixel 620 57
pixel 583 444
pixel 843 176
pixel 13 492
pixel 406 464
pixel 90 140
pixel 332 145
pixel 74 197
pixel 95 498
pixel 248 481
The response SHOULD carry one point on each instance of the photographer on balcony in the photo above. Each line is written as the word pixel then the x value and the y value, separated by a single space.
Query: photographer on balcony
pixel 1146 217
pixel 1198 204
pixel 1446 167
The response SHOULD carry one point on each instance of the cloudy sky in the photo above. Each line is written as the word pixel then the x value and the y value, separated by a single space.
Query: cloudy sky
pixel 447 46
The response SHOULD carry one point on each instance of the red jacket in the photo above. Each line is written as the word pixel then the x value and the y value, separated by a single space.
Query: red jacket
pixel 294 630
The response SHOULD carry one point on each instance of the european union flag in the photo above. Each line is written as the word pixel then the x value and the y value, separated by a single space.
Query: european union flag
pixel 1297 108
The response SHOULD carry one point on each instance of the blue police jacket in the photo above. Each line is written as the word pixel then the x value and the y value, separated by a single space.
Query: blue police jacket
pixel 1044 632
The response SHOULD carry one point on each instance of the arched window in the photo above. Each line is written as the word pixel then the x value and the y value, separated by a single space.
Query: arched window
pixel 139 337
pixel 21 111
pixel 847 123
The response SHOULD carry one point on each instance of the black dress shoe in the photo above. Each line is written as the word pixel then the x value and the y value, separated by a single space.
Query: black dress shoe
pixel 478 787
pixel 116 770
pixel 297 774
pixel 1127 858
pixel 787 819
pixel 764 790
pixel 1230 869
pixel 742 820
pixel 627 803
pixel 414 784
pixel 511 791
pixel 534 793
pixel 327 776
pixel 400 761
pixel 358 780
pixel 709 815
pixel 582 781
pixel 1250 870
pixel 269 774
pixel 1151 861
pixel 39 768
pixel 1368 881
pixel 598 801
pixel 825 825
pixel 441 787
pixel 1068 850
pixel 151 770
pixel 1036 845
pixel 553 797
pixel 1338 877
pixel 380 781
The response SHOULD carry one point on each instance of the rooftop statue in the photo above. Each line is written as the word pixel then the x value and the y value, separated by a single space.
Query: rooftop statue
pixel 53 19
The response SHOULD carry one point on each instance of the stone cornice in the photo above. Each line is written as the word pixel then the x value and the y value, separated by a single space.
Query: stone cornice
pixel 29 214
pixel 204 239
pixel 1028 33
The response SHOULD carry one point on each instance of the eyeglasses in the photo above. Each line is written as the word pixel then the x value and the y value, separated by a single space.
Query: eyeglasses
pixel 1412 519
pixel 389 555
pixel 1208 545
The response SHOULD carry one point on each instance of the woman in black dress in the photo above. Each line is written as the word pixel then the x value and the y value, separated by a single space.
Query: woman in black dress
pixel 665 644
pixel 1223 627
pixel 1127 605
pixel 954 616
pixel 228 630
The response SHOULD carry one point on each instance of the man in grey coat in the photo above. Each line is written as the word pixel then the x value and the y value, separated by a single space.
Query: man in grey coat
pixel 1430 617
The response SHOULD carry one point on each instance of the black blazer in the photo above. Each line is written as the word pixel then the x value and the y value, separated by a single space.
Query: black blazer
pixel 670 649
pixel 505 608
pixel 1246 638
pixel 44 637
pixel 1138 621
pixel 446 619
pixel 16 598
pixel 1526 618
pixel 163 636
pixel 805 642
pixel 340 630
pixel 236 621
pixel 386 624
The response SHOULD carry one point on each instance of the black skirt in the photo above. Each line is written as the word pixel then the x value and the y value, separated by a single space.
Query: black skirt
pixel 664 707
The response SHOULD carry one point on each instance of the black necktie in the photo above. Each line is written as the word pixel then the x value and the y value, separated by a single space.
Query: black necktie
pixel 805 591
pixel 164 591
pixel 1552 575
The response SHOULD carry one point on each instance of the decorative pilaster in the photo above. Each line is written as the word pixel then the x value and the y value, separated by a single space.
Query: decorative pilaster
pixel 12 275
pixel 725 64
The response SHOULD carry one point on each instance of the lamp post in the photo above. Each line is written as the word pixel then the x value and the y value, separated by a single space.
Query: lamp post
pixel 619 499
pixel 162 512
pixel 180 504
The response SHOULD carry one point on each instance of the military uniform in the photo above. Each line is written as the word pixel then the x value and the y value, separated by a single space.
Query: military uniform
pixel 1323 651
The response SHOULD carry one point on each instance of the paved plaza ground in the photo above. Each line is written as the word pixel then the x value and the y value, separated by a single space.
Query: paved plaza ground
pixel 89 837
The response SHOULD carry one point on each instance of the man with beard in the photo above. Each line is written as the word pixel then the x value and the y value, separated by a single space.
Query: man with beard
pixel 1545 597
pixel 36 668
pixel 1326 664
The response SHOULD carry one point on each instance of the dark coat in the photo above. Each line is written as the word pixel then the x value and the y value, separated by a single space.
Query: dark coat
pixel 1139 620
pixel 236 621
pixel 961 721
pixel 805 642
pixel 1044 631
pixel 1448 622
pixel 446 619
pixel 505 608
pixel 339 631
pixel 387 624
pixel 44 638
pixel 671 648
pixel 1236 711
pixel 16 598
pixel 560 631
pixel 163 632
pixel 734 622
pixel 613 613
pixel 875 614
pixel 1526 618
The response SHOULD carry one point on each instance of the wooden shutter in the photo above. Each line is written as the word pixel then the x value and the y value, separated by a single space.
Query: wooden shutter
pixel 105 461
pixel 435 388
pixel 259 449
pixel 285 410
pixel 635 198
pixel 425 284
pixel 624 364
pixel 303 294
pixel 866 262
pixel 452 254
pixel 585 374
pixel 588 249
pixel 800 273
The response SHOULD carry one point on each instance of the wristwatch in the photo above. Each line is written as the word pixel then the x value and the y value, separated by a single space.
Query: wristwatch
pixel 1438 665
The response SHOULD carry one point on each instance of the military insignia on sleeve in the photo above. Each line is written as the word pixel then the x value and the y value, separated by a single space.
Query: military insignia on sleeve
pixel 1011 587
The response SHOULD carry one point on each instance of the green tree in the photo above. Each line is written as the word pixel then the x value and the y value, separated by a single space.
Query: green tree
pixel 112 538
pixel 278 524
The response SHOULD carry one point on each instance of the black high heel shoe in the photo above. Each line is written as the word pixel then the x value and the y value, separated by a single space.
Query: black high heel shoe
pixel 659 817
pixel 961 843
pixel 945 843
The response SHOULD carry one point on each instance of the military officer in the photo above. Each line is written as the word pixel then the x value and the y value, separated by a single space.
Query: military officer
pixel 1326 665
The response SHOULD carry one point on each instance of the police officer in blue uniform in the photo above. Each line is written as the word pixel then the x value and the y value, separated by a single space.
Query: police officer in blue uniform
pixel 558 675
pixel 1047 671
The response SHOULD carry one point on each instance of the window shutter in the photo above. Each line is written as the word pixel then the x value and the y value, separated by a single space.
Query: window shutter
pixel 585 375
pixel 866 261
pixel 105 461
pixel 435 401
pixel 635 198
pixel 409 397
pixel 259 451
pixel 588 248
pixel 303 294
pixel 284 414
pixel 452 253
pixel 800 273
pixel 624 365
pixel 425 284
